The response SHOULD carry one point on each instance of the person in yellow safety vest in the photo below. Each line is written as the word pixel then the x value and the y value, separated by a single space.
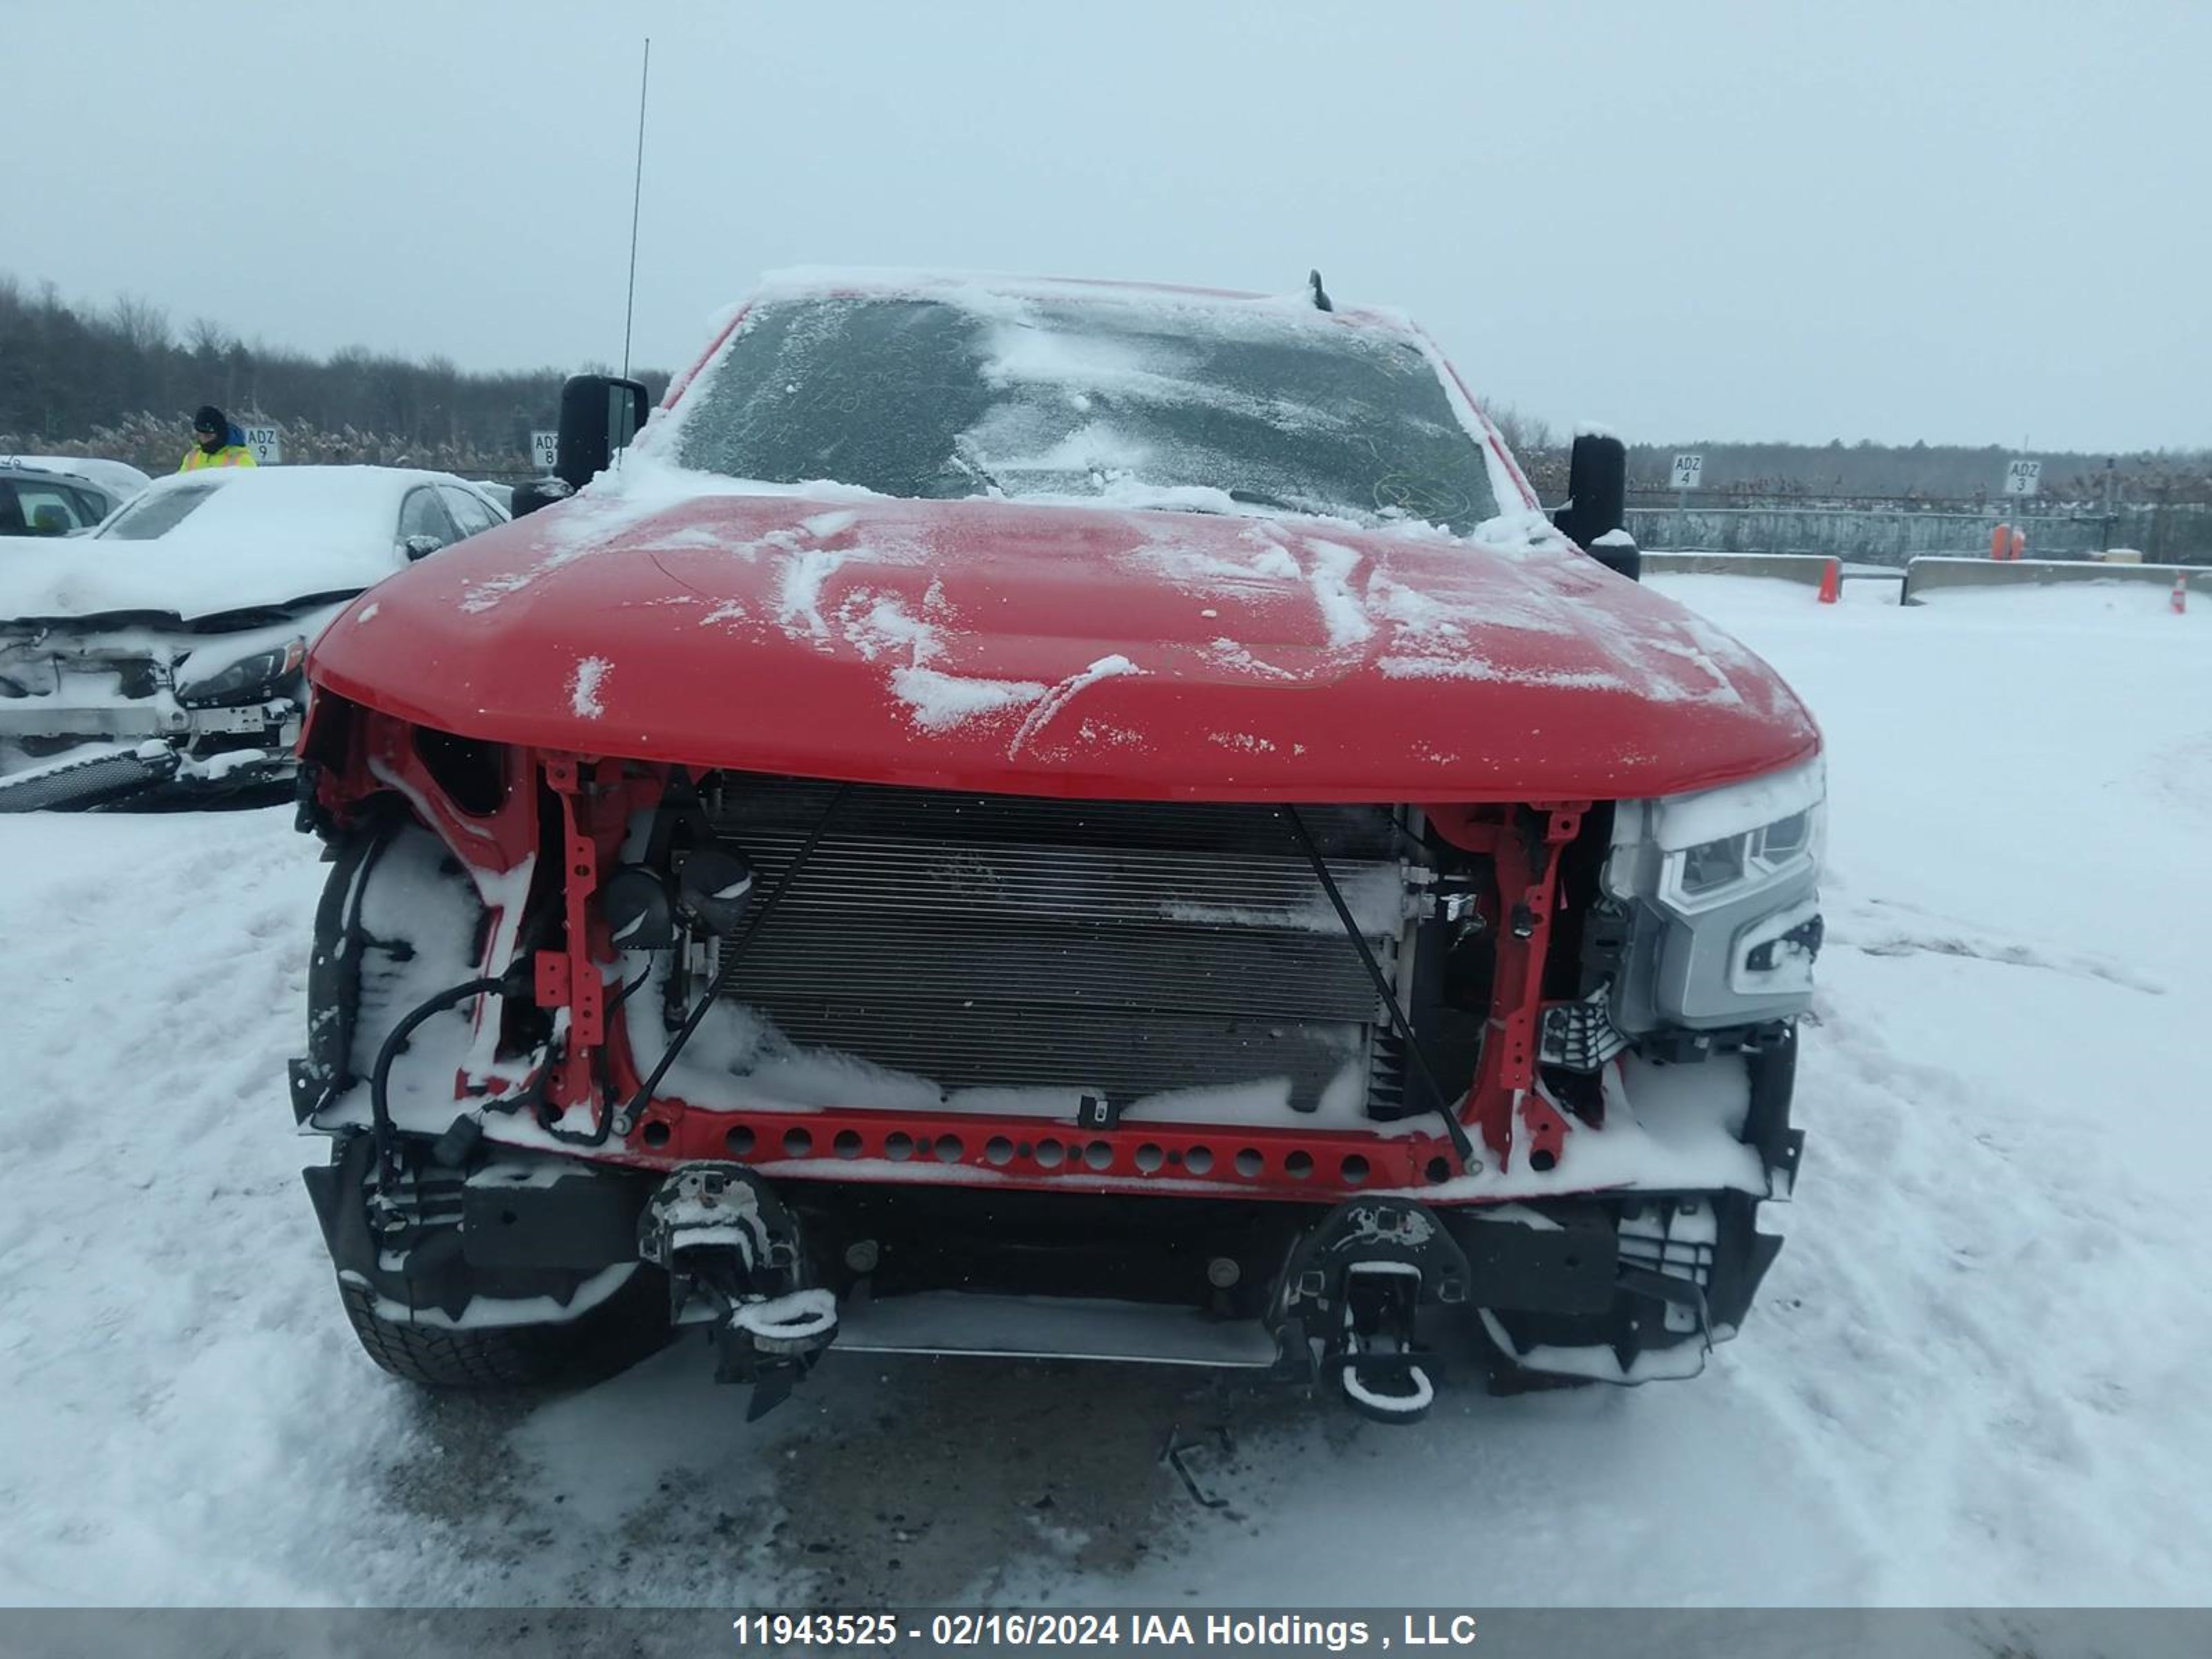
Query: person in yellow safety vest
pixel 220 444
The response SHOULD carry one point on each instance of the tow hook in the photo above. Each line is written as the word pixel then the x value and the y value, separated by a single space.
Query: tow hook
pixel 1354 1290
pixel 732 1255
pixel 1373 1360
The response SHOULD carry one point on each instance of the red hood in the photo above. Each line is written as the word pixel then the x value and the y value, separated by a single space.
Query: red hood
pixel 1064 650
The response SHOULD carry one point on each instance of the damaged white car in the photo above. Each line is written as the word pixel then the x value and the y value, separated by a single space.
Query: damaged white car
pixel 158 658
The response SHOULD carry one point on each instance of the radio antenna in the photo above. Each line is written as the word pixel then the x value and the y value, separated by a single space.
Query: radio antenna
pixel 636 195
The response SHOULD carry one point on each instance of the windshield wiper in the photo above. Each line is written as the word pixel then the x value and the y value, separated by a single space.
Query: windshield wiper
pixel 963 461
pixel 1261 498
pixel 1241 498
pixel 1169 501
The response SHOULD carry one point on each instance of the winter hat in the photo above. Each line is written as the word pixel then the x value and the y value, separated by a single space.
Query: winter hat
pixel 211 419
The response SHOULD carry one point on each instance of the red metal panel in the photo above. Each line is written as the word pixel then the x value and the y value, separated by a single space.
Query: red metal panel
pixel 710 624
pixel 1528 883
pixel 1191 1160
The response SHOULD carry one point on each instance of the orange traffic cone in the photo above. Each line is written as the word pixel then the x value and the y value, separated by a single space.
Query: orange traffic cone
pixel 2000 539
pixel 2019 542
pixel 1832 582
pixel 2181 593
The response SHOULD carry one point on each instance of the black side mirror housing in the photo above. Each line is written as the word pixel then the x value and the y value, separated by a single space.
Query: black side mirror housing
pixel 1596 513
pixel 420 547
pixel 1597 488
pixel 538 492
pixel 599 415
pixel 1618 552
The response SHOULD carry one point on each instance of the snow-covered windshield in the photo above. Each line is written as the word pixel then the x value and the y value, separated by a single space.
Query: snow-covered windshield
pixel 918 398
pixel 159 513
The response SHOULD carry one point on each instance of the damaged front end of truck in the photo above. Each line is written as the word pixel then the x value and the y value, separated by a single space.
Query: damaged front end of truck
pixel 1356 1091
pixel 1179 928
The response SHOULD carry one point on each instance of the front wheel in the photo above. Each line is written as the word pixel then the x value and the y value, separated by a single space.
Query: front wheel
pixel 426 1348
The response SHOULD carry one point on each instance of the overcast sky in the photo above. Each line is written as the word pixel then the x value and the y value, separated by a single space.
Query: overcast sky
pixel 1942 220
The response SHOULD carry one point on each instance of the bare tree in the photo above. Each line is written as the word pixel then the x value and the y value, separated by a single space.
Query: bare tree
pixel 1524 434
pixel 142 326
pixel 206 339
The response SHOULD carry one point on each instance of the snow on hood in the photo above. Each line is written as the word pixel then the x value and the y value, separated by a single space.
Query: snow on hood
pixel 1140 641
pixel 990 644
pixel 258 537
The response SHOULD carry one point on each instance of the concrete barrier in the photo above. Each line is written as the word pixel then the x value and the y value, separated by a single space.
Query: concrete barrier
pixel 1892 531
pixel 1925 574
pixel 1804 567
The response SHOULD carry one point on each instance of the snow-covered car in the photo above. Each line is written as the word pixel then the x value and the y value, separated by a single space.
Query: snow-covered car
pixel 117 480
pixel 161 652
pixel 36 500
pixel 1054 818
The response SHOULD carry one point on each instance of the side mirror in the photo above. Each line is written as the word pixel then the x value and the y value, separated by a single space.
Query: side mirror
pixel 599 415
pixel 1597 488
pixel 538 492
pixel 1618 552
pixel 418 547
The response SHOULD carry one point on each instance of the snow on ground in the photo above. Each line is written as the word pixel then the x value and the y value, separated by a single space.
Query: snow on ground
pixel 1976 1374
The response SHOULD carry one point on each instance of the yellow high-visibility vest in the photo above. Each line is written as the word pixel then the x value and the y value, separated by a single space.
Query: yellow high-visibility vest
pixel 228 455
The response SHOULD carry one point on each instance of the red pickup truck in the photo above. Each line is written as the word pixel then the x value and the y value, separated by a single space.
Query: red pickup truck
pixel 1049 817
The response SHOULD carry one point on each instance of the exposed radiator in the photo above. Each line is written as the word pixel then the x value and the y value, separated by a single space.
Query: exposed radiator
pixel 1130 949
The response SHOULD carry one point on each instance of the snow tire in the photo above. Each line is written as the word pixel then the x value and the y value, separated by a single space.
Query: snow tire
pixel 610 1339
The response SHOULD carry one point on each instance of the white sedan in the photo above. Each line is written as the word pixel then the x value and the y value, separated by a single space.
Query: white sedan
pixel 117 480
pixel 163 652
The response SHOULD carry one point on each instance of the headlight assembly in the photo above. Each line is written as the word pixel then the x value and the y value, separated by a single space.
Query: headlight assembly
pixel 1721 844
pixel 249 679
pixel 1723 885
pixel 1790 837
pixel 1711 866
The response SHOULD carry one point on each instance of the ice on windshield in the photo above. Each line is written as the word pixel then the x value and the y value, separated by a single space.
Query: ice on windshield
pixel 1140 404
